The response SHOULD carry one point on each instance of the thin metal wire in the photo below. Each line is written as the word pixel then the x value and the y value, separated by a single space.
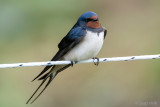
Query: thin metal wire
pixel 127 58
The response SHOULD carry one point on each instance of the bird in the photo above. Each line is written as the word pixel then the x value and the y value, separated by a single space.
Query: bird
pixel 83 41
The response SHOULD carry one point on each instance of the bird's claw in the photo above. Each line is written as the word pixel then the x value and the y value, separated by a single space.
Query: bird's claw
pixel 97 62
pixel 73 62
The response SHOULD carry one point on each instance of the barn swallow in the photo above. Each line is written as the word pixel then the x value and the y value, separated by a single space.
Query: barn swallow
pixel 83 41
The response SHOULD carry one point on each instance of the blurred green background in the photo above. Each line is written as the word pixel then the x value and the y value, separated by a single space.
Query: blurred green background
pixel 30 31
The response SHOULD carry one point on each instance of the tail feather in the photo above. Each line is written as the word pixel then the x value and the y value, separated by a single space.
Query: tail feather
pixel 47 67
pixel 61 69
pixel 51 75
pixel 43 71
pixel 44 76
pixel 39 87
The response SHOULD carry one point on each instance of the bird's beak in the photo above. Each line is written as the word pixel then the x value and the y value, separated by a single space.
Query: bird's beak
pixel 95 20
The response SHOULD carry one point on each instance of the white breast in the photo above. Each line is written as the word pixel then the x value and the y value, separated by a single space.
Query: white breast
pixel 88 48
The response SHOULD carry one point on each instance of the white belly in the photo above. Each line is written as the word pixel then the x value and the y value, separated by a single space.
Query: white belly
pixel 86 49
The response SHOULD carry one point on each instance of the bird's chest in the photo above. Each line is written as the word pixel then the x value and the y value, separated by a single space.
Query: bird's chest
pixel 87 48
pixel 92 43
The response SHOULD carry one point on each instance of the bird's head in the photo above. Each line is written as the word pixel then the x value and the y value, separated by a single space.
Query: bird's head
pixel 89 19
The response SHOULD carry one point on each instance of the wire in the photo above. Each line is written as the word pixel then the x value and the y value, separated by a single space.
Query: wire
pixel 48 63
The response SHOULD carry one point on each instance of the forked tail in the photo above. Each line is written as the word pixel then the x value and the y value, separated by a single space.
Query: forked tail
pixel 51 75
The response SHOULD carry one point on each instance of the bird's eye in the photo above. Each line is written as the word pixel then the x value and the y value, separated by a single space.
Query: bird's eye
pixel 91 19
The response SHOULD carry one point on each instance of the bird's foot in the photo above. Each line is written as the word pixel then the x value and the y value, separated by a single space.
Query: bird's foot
pixel 97 62
pixel 73 62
